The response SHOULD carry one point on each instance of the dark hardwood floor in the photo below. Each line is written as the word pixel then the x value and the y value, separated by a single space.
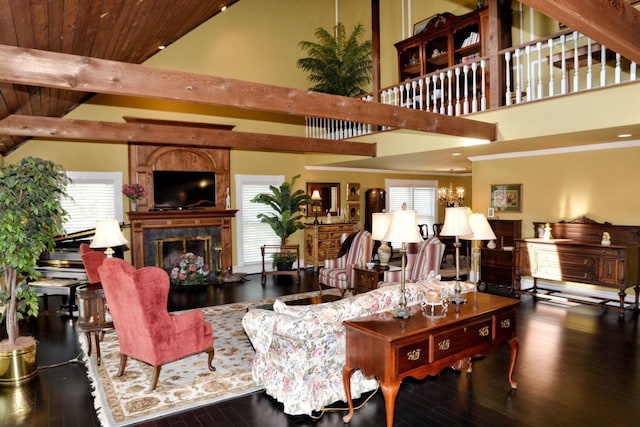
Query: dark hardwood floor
pixel 577 366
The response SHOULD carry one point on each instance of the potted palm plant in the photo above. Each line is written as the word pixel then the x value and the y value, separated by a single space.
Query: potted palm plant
pixel 338 64
pixel 30 217
pixel 287 217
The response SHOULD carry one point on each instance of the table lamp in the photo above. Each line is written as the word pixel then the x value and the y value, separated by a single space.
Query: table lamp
pixel 108 234
pixel 379 226
pixel 481 231
pixel 456 223
pixel 403 228
pixel 315 196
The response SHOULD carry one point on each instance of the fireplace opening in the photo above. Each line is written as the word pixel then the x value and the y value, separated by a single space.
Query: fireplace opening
pixel 169 250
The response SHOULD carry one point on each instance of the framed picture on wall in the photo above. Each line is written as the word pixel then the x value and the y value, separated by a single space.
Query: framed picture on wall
pixel 353 212
pixel 353 192
pixel 506 197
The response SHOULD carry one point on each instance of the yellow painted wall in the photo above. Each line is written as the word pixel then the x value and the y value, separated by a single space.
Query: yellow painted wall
pixel 601 185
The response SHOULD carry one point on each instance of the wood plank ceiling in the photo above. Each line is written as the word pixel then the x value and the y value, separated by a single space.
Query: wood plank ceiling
pixel 121 30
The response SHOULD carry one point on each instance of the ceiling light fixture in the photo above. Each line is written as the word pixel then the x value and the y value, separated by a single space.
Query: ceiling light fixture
pixel 624 135
pixel 450 196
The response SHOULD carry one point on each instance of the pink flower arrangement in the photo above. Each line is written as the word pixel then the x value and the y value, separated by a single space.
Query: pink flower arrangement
pixel 189 269
pixel 133 191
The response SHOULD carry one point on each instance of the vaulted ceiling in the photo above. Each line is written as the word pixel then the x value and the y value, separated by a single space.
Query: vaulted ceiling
pixel 131 31
pixel 119 30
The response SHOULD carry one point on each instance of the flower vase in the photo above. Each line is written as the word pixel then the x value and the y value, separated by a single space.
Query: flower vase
pixel 134 206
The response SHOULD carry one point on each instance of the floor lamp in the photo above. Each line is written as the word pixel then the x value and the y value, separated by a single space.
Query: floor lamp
pixel 379 226
pixel 456 223
pixel 481 231
pixel 108 234
pixel 403 228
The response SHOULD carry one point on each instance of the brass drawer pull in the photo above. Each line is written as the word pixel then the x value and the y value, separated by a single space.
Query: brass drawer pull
pixel 505 324
pixel 484 331
pixel 444 345
pixel 413 355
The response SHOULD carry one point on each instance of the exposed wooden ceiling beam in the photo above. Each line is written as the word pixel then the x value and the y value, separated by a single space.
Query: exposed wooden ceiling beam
pixel 613 23
pixel 87 130
pixel 43 68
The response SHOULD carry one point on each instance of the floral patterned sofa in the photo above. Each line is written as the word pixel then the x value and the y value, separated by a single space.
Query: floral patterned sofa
pixel 300 350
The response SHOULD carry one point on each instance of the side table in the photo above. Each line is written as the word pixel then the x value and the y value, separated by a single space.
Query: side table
pixel 367 280
pixel 93 315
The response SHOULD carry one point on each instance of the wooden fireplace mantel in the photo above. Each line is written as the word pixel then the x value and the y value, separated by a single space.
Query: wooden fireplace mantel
pixel 141 221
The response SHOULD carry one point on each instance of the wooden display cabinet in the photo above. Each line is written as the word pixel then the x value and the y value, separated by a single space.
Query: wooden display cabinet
pixel 497 266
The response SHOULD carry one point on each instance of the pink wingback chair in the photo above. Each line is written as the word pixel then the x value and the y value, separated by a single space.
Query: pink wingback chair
pixel 91 260
pixel 146 331
pixel 420 262
pixel 339 273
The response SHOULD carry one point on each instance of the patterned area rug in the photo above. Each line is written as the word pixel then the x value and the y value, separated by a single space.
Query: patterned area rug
pixel 183 384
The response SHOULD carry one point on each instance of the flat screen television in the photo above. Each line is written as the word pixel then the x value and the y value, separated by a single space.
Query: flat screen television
pixel 184 189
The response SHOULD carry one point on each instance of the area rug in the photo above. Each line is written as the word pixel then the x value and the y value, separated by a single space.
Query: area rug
pixel 184 384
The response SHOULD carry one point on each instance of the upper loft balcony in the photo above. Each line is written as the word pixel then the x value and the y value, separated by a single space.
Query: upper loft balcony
pixel 459 78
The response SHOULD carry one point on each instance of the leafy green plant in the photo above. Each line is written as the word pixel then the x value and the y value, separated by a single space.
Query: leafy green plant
pixel 336 64
pixel 287 205
pixel 30 217
pixel 287 259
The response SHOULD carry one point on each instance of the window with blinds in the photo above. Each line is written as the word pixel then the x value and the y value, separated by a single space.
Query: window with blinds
pixel 92 196
pixel 251 233
pixel 420 196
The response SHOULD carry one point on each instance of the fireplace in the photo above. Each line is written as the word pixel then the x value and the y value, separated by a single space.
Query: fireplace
pixel 155 236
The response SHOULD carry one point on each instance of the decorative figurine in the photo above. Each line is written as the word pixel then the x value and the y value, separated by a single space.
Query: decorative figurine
pixel 227 200
pixel 547 232
pixel 606 239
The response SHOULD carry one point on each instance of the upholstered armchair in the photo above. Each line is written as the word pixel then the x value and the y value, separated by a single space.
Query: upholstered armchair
pixel 339 273
pixel 146 331
pixel 421 261
pixel 91 260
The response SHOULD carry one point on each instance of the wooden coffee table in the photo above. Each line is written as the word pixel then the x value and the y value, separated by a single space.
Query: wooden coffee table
pixel 392 349
pixel 315 299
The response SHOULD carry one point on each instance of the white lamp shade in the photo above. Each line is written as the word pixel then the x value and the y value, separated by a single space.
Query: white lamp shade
pixel 108 234
pixel 380 225
pixel 316 195
pixel 456 222
pixel 480 227
pixel 403 228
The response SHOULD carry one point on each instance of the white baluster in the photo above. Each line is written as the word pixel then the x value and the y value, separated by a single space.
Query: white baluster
pixel 518 81
pixel 427 94
pixel 413 93
pixel 551 84
pixel 632 71
pixel 395 96
pixel 539 79
pixel 563 66
pixel 465 105
pixel 589 65
pixel 483 88
pixel 507 93
pixel 402 99
pixel 420 84
pixel 603 66
pixel 449 93
pixel 576 65
pixel 442 104
pixel 458 91
pixel 435 93
pixel 618 69
pixel 474 87
pixel 530 95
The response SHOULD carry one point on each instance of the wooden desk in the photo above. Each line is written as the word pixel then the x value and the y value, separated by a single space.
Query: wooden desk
pixel 392 349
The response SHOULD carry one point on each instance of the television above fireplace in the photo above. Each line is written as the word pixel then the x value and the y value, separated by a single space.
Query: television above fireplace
pixel 183 189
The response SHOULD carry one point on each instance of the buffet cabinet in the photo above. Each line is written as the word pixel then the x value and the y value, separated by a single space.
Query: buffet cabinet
pixel 322 241
pixel 498 265
pixel 586 261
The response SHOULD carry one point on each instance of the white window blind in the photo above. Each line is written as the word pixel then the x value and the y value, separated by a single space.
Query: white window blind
pixel 251 232
pixel 418 195
pixel 92 196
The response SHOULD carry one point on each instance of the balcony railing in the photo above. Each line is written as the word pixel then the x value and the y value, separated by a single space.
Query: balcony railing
pixel 564 64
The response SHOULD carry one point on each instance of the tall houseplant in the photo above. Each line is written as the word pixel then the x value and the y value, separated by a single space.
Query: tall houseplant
pixel 30 217
pixel 336 64
pixel 288 215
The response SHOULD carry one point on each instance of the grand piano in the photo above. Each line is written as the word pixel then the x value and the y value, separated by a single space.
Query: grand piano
pixel 61 271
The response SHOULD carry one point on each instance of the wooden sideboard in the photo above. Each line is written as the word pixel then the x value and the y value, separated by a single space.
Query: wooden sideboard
pixel 575 254
pixel 322 241
pixel 391 349
pixel 498 265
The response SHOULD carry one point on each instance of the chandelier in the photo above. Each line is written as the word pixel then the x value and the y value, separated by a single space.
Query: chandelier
pixel 451 197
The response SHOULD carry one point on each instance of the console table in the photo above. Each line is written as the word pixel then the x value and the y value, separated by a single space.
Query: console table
pixel 575 254
pixel 392 349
